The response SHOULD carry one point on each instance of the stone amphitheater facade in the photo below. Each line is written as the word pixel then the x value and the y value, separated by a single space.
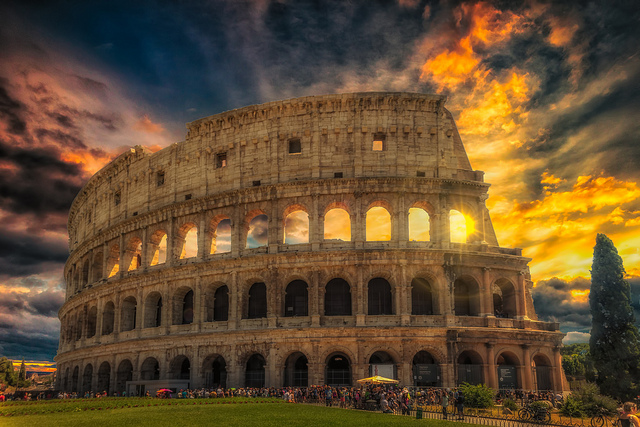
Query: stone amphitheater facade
pixel 141 309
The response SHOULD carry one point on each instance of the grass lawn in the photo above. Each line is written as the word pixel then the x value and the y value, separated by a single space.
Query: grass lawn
pixel 195 412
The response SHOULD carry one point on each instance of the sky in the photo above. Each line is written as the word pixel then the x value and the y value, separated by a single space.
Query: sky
pixel 546 96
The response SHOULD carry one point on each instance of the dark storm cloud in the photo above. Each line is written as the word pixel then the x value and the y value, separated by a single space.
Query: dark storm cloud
pixel 23 254
pixel 32 344
pixel 10 111
pixel 554 302
pixel 37 181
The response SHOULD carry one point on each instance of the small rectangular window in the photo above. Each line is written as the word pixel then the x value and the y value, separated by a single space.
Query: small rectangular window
pixel 89 217
pixel 378 142
pixel 221 160
pixel 187 197
pixel 256 183
pixel 117 197
pixel 421 174
pixel 295 147
pixel 160 178
pixel 337 175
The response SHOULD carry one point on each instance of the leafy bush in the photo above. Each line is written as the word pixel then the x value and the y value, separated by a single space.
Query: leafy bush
pixel 587 400
pixel 510 404
pixel 477 396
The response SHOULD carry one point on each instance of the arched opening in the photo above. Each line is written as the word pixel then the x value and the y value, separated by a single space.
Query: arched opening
pixel 426 371
pixel 190 243
pixel 337 298
pixel 153 310
pixel 296 299
pixel 79 328
pixel 158 244
pixel 258 233
pixel 380 301
pixel 87 376
pixel 113 261
pixel 381 363
pixel 214 369
pixel 221 239
pixel 74 379
pixel 108 317
pixel 470 368
pixel 337 225
pixel 85 273
pixel 466 297
pixel 338 371
pixel 378 224
pixel 419 225
pixel 296 228
pixel 183 306
pixel 254 373
pixel 134 254
pixel 460 227
pixel 128 318
pixel 92 319
pixel 542 371
pixel 124 374
pixel 180 368
pixel 150 369
pixel 221 304
pixel 104 377
pixel 257 306
pixel 421 297
pixel 504 299
pixel 65 386
pixel 507 371
pixel 96 266
pixel 296 371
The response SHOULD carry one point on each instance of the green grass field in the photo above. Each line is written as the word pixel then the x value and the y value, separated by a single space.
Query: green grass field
pixel 228 412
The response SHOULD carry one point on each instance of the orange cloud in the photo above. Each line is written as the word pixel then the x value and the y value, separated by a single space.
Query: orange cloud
pixel 144 124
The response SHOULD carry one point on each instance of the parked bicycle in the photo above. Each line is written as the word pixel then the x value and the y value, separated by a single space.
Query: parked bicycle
pixel 601 417
pixel 535 414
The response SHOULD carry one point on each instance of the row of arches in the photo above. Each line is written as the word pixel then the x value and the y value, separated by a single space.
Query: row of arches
pixel 426 371
pixel 160 247
pixel 179 307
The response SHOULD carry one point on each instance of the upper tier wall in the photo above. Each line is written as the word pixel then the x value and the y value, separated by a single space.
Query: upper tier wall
pixel 251 146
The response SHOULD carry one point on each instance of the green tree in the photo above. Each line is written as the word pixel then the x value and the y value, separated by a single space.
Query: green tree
pixel 22 376
pixel 7 373
pixel 477 396
pixel 614 336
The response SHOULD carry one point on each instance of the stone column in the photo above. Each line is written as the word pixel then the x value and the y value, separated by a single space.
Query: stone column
pixel 139 312
pixel 166 308
pixel 198 305
pixel 202 233
pixel 491 366
pixel 121 267
pixel 487 293
pixel 99 320
pixel 275 231
pixel 557 370
pixel 361 304
pixel 237 231
pixel 105 260
pixel 527 378
pixel 314 296
pixel 522 301
pixel 235 311
pixel 144 251
pixel 171 236
pixel 315 224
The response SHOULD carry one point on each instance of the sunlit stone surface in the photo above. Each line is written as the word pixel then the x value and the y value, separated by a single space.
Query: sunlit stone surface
pixel 315 240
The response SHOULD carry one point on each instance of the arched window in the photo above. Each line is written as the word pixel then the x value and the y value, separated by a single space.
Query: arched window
pixel 92 319
pixel 426 371
pixel 337 225
pixel 542 371
pixel 214 369
pixel 158 248
pixel 86 378
pixel 74 379
pixel 108 316
pixel 381 363
pixel 180 368
pixel 190 243
pixel 124 374
pixel 113 262
pixel 104 377
pixel 128 319
pixel 460 226
pixel 419 225
pixel 85 273
pixel 378 225
pixel 507 371
pixel 296 370
pixel 97 266
pixel 257 307
pixel 150 369
pixel 470 368
pixel 504 299
pixel 380 301
pixel 466 297
pixel 337 298
pixel 296 299
pixel 421 297
pixel 221 304
pixel 258 233
pixel 183 306
pixel 338 370
pixel 221 240
pixel 254 374
pixel 153 310
pixel 134 253
pixel 79 328
pixel 296 228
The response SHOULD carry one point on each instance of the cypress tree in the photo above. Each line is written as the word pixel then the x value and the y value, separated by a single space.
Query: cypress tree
pixel 614 336
pixel 22 376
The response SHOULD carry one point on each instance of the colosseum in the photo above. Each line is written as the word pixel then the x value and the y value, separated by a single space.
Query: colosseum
pixel 315 240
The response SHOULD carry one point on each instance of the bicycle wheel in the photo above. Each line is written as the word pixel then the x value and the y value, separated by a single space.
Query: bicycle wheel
pixel 597 421
pixel 524 414
pixel 547 418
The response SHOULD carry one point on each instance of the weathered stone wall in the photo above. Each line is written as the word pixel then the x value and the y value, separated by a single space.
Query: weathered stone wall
pixel 108 324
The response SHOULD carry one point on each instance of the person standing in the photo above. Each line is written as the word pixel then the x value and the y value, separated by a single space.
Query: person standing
pixel 627 417
pixel 460 405
pixel 444 401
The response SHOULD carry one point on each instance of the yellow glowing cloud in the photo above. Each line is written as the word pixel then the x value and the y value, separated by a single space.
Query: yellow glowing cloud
pixel 419 225
pixel 580 295
pixel 337 225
